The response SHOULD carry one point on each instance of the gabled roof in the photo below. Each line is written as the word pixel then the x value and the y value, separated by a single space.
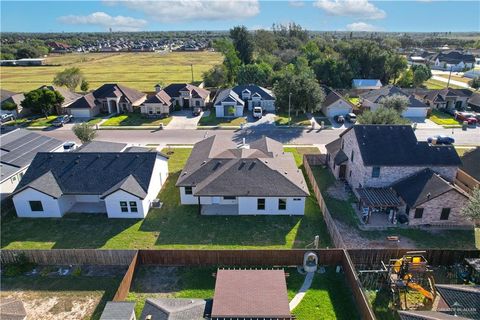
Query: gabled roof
pixel 13 97
pixel 160 97
pixel 454 57
pixel 334 148
pixel 217 167
pixel 471 163
pixel 108 90
pixel 175 309
pixel 421 187
pixel 397 145
pixel 102 146
pixel 359 83
pixel 118 310
pixel 228 95
pixel 94 173
pixel 377 95
pixel 264 93
pixel 333 97
pixel 66 93
pixel 173 90
pixel 465 299
pixel 427 315
pixel 474 99
pixel 442 94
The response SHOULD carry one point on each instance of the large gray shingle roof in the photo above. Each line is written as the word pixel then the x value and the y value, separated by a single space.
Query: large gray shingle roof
pixel 175 309
pixel 263 92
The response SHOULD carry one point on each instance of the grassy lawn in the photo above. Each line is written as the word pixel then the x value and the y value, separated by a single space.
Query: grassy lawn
pixel 443 119
pixel 344 212
pixel 75 297
pixel 436 84
pixel 281 119
pixel 94 121
pixel 140 71
pixel 212 120
pixel 462 150
pixel 135 119
pixel 37 122
pixel 172 226
pixel 455 77
pixel 354 100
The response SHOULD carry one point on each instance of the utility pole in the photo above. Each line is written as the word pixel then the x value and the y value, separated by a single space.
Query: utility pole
pixel 191 68
pixel 289 98
pixel 449 75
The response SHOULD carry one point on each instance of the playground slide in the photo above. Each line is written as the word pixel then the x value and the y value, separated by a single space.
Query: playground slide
pixel 427 294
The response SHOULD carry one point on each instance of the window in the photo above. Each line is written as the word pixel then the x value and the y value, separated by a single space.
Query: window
pixel 188 190
pixel 229 198
pixel 375 172
pixel 123 206
pixel 418 213
pixel 21 175
pixel 282 204
pixel 445 213
pixel 36 205
pixel 297 199
pixel 261 204
pixel 133 206
pixel 351 156
pixel 350 174
pixel 150 111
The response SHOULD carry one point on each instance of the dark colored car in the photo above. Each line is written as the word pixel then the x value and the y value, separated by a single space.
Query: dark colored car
pixel 339 119
pixel 441 139
pixel 351 117
pixel 197 111
pixel 61 120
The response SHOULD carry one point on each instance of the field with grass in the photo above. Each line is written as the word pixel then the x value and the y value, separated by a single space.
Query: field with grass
pixel 172 226
pixel 135 119
pixel 212 120
pixel 136 70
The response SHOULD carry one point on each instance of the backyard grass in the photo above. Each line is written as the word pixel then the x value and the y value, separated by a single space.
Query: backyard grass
pixel 212 120
pixel 173 226
pixel 135 119
pixel 73 297
pixel 281 119
pixel 443 119
pixel 140 71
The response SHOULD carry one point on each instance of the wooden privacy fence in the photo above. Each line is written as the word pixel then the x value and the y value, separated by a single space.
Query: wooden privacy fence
pixel 331 226
pixel 126 283
pixel 70 256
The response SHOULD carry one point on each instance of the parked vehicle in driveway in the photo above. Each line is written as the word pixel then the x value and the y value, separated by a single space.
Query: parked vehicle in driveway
pixel 197 111
pixel 339 119
pixel 7 117
pixel 466 116
pixel 351 117
pixel 441 139
pixel 61 120
pixel 257 112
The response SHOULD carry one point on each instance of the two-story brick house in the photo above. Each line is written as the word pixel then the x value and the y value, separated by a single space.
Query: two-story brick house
pixel 372 158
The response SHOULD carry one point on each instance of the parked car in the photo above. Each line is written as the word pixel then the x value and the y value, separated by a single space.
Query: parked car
pixel 61 120
pixel 440 139
pixel 69 146
pixel 7 117
pixel 257 112
pixel 339 119
pixel 466 116
pixel 197 111
pixel 351 117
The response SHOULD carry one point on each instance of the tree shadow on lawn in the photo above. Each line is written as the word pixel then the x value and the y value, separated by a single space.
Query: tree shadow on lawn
pixel 72 231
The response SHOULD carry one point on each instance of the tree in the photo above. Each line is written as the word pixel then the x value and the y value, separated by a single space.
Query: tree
pixel 70 78
pixel 264 41
pixel 259 74
pixel 421 73
pixel 84 85
pixel 84 132
pixel 215 77
pixel 406 79
pixel 9 106
pixel 382 116
pixel 474 83
pixel 42 101
pixel 243 43
pixel 230 60
pixel 394 65
pixel 27 52
pixel 396 101
pixel 332 72
pixel 472 209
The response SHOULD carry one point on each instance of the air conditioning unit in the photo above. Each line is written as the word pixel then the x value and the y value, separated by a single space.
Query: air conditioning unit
pixel 156 204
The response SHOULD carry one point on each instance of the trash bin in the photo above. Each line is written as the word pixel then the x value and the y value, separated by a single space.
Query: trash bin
pixel 322 125
pixel 464 125
pixel 160 126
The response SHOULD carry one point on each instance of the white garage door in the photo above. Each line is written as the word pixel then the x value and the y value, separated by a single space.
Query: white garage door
pixel 338 110
pixel 80 113
pixel 415 113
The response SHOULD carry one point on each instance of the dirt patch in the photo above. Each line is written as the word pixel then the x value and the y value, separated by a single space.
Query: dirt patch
pixel 163 281
pixel 338 191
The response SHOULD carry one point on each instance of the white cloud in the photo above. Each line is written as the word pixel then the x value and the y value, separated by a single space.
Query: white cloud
pixel 188 10
pixel 351 8
pixel 361 26
pixel 118 23
pixel 296 3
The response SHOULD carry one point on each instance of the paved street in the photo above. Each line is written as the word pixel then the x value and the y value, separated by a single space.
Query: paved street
pixel 471 137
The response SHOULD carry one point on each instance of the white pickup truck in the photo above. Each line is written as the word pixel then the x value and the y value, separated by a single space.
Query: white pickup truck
pixel 257 112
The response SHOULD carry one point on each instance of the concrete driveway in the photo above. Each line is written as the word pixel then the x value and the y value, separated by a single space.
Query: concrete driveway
pixel 183 119
pixel 267 119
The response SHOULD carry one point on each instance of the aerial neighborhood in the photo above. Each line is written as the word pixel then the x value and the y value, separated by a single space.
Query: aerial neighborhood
pixel 249 172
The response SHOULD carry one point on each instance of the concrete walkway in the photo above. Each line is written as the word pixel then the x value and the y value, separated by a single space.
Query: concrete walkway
pixel 303 290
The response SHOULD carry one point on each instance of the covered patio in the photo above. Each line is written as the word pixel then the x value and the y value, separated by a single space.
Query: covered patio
pixel 378 206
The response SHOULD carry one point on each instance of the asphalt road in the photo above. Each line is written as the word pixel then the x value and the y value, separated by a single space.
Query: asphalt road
pixel 471 137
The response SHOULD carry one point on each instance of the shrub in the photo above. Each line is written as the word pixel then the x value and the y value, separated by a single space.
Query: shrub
pixel 19 267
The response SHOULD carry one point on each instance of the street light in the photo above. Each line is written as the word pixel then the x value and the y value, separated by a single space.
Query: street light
pixel 289 98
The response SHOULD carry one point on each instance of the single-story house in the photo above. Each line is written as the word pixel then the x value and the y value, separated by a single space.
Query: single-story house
pixel 372 101
pixel 157 105
pixel 186 95
pixel 68 96
pixel 109 98
pixel 228 104
pixel 13 98
pixel 249 179
pixel 250 295
pixel 335 104
pixel 119 310
pixel 447 98
pixel 18 147
pixel 474 102
pixel 452 60
pixel 468 175
pixel 120 184
pixel 366 84
pixel 26 62
pixel 176 309
pixel 256 96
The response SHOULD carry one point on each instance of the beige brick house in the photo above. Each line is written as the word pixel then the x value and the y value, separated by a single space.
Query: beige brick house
pixel 373 159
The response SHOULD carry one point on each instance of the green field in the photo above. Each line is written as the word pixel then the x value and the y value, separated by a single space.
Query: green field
pixel 137 70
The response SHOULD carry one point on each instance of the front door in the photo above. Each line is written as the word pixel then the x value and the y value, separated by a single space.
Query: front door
pixel 186 103
pixel 342 171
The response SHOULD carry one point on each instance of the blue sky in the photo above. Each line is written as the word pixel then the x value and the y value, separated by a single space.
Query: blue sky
pixel 326 15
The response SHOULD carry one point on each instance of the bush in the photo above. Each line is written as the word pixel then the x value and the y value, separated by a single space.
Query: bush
pixel 19 267
pixel 77 271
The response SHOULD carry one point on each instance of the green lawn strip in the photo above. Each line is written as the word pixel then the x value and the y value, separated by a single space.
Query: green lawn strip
pixel 281 119
pixel 462 150
pixel 41 122
pixel 71 285
pixel 442 118
pixel 212 120
pixel 95 121
pixel 437 84
pixel 135 119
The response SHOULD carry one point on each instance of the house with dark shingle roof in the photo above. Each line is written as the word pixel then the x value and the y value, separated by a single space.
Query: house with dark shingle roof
pixel 372 100
pixel 247 179
pixel 468 175
pixel 228 104
pixel 9 97
pixel 256 96
pixel 474 102
pixel 186 95
pixel 119 310
pixel 335 104
pixel 109 98
pixel 157 105
pixel 452 60
pixel 389 170
pixel 448 98
pixel 120 184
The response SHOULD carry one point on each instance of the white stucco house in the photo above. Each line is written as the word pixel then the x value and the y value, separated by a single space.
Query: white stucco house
pixel 228 104
pixel 120 184
pixel 250 179
pixel 18 148
pixel 335 104
pixel 256 96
